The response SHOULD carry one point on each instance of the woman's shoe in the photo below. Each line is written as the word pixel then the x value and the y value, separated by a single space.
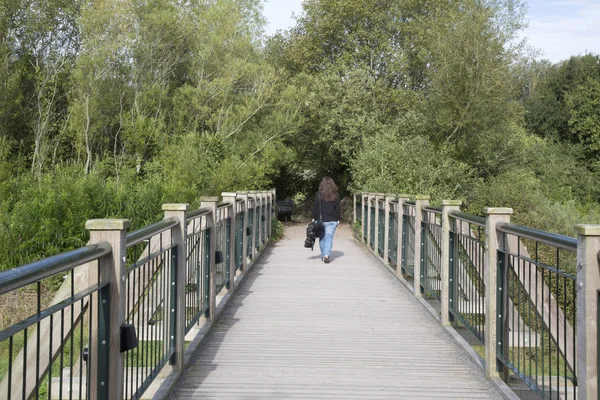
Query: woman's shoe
pixel 326 259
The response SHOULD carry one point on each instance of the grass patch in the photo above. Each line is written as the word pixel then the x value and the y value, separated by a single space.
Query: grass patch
pixel 525 360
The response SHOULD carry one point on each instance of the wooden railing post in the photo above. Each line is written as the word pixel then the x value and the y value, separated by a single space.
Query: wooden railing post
pixel 211 202
pixel 400 254
pixel 370 221
pixel 493 242
pixel 386 234
pixel 447 206
pixel 231 197
pixel 420 202
pixel 178 237
pixel 588 298
pixel 106 360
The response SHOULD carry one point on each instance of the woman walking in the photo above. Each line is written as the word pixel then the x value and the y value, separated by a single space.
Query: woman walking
pixel 327 208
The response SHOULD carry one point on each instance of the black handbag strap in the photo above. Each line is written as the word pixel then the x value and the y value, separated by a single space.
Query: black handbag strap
pixel 320 212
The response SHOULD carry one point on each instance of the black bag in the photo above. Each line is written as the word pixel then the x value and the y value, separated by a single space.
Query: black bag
pixel 314 230
pixel 309 243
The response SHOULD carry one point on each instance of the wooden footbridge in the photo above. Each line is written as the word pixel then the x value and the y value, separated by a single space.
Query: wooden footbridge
pixel 418 302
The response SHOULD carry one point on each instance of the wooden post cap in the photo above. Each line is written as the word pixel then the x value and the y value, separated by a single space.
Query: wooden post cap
pixel 498 211
pixel 452 202
pixel 107 224
pixel 175 207
pixel 587 230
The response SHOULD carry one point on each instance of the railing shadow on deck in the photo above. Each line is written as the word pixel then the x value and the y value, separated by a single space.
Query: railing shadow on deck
pixel 131 302
pixel 541 288
pixel 215 335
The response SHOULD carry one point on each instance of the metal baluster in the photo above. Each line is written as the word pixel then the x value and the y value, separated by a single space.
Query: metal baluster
pixel 81 345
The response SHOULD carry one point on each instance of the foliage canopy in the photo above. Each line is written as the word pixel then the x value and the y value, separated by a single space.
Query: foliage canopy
pixel 111 107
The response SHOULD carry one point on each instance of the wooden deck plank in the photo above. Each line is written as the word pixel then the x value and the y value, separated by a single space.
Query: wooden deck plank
pixel 298 328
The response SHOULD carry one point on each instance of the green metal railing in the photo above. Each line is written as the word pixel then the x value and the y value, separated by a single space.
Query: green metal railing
pixel 251 230
pixel 534 282
pixel 467 288
pixel 431 238
pixel 537 307
pixel 365 213
pixel 151 304
pixel 359 208
pixel 223 226
pixel 380 227
pixel 257 228
pixel 372 228
pixel 46 354
pixel 263 220
pixel 393 235
pixel 239 236
pixel 164 285
pixel 197 268
pixel 408 239
pixel 268 220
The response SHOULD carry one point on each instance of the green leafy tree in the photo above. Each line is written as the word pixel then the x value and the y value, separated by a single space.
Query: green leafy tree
pixel 100 78
pixel 547 112
pixel 38 43
pixel 583 105
pixel 470 56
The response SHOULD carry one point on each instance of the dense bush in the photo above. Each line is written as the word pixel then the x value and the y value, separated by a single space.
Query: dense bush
pixel 412 165
pixel 46 216
pixel 277 230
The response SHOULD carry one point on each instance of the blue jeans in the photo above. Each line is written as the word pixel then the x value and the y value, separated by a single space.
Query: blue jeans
pixel 326 241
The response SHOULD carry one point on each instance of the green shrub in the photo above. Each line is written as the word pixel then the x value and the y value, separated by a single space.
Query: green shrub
pixel 47 216
pixel 357 229
pixel 277 230
pixel 412 165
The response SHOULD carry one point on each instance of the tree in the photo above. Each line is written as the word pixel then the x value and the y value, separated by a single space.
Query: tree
pixel 38 43
pixel 470 57
pixel 583 105
pixel 100 77
pixel 547 112
pixel 437 68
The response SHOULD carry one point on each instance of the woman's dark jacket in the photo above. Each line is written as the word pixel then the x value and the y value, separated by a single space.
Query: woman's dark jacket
pixel 330 210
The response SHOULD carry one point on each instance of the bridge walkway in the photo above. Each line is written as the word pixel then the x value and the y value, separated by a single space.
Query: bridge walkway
pixel 298 328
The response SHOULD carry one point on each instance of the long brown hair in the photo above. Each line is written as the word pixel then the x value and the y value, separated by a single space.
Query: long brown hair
pixel 328 189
